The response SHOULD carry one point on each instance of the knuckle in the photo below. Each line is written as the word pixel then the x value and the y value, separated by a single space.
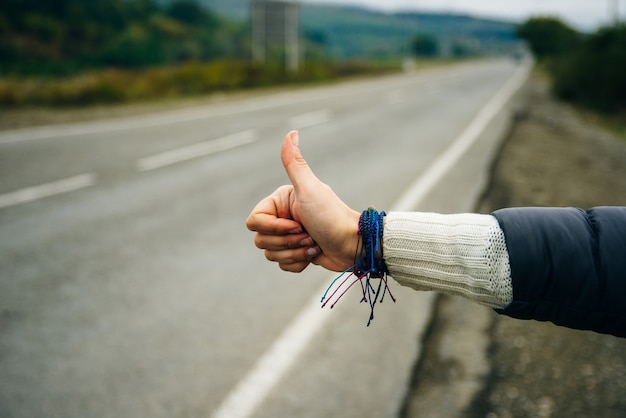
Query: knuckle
pixel 250 223
pixel 259 242
pixel 293 267
pixel 270 255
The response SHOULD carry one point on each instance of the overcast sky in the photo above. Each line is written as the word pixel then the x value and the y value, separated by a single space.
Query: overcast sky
pixel 583 14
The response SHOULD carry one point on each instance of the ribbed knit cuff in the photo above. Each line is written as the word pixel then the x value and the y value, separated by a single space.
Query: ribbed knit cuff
pixel 461 254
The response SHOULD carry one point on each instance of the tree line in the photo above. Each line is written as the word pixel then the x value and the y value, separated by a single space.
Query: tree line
pixel 43 37
pixel 587 69
pixel 74 52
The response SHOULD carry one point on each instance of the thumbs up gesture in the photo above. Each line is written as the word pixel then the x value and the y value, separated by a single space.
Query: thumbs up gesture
pixel 304 222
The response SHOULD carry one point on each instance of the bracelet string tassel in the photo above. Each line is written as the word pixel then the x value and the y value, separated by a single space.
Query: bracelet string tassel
pixel 369 266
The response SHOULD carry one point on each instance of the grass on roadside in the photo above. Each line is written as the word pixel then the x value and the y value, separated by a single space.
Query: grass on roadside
pixel 191 79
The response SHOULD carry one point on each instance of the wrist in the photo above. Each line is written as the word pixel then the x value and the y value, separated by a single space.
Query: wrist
pixel 352 238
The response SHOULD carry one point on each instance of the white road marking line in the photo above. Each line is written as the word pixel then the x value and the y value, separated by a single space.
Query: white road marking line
pixel 168 117
pixel 250 392
pixel 31 194
pixel 201 149
pixel 310 119
pixel 270 368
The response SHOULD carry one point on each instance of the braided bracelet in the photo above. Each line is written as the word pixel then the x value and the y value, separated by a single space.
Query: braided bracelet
pixel 369 265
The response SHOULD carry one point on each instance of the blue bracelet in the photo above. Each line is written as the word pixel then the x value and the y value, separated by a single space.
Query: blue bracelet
pixel 371 224
pixel 369 265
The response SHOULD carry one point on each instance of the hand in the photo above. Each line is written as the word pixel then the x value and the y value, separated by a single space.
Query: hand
pixel 304 222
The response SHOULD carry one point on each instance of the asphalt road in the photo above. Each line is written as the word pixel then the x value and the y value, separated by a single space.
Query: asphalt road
pixel 129 286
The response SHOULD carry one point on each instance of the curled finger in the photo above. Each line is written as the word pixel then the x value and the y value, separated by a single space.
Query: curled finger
pixel 282 242
pixel 293 256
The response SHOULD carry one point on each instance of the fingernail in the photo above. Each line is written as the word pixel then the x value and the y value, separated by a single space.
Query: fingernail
pixel 307 242
pixel 313 251
pixel 296 231
pixel 295 138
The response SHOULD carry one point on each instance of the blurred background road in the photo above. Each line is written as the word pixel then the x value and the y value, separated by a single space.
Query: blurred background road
pixel 132 288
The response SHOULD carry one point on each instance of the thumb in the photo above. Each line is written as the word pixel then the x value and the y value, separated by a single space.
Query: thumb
pixel 299 172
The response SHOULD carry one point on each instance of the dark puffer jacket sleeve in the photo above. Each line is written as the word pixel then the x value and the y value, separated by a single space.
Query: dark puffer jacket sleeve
pixel 568 266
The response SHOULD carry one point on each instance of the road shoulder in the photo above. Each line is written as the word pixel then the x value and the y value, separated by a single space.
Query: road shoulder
pixel 477 363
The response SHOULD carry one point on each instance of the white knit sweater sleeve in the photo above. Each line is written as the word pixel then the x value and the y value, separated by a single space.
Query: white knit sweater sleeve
pixel 461 254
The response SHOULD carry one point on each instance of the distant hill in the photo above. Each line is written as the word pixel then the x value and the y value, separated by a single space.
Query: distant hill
pixel 349 31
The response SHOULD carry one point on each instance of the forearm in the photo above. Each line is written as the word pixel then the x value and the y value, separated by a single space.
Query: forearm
pixel 463 254
pixel 567 266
